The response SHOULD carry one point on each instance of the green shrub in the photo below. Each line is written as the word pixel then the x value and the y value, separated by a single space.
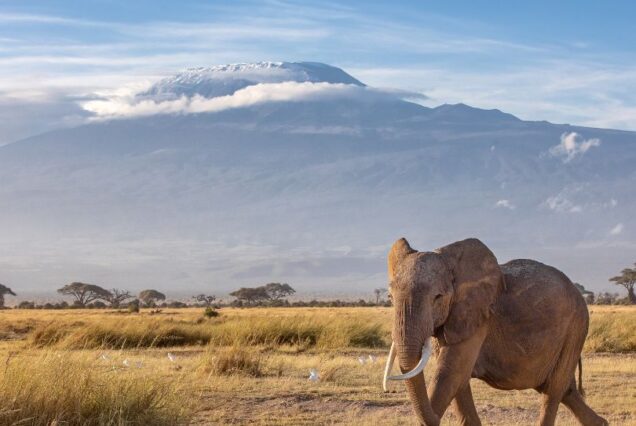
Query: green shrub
pixel 210 312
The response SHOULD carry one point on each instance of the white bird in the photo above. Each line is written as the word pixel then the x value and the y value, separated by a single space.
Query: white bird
pixel 171 357
pixel 126 363
pixel 372 358
pixel 313 375
pixel 361 360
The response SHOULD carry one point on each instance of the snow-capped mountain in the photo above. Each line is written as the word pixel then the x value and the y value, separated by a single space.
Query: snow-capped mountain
pixel 309 185
pixel 222 80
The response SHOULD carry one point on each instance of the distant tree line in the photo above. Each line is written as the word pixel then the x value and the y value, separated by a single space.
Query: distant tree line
pixel 92 296
pixel 272 294
pixel 87 295
pixel 602 298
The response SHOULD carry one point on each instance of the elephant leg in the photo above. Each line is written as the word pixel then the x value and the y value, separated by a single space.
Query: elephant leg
pixel 549 410
pixel 560 380
pixel 465 407
pixel 454 367
pixel 584 414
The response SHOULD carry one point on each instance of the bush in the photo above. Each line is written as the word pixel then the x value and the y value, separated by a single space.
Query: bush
pixel 210 312
pixel 133 307
pixel 77 305
pixel 234 360
pixel 606 298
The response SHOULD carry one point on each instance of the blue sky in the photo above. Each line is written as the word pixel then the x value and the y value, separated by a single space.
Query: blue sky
pixel 570 62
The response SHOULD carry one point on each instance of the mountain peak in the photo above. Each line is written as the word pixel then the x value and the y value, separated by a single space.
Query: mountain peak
pixel 222 80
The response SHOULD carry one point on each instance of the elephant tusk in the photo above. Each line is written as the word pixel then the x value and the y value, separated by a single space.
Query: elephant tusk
pixel 387 368
pixel 426 353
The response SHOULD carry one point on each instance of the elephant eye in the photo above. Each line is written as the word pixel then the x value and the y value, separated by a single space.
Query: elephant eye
pixel 439 296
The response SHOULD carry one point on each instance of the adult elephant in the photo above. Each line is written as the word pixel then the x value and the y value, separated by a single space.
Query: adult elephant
pixel 521 325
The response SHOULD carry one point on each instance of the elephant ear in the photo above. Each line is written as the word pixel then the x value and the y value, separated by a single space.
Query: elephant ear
pixel 399 251
pixel 477 282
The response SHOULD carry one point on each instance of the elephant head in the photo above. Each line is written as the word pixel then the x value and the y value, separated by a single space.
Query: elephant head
pixel 447 293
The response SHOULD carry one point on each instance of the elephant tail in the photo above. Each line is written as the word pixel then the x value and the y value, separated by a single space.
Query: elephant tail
pixel 581 390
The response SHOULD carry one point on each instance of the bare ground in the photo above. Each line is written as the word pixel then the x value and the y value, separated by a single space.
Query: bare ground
pixel 265 402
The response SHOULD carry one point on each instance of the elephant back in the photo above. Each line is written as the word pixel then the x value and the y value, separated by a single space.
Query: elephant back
pixel 538 290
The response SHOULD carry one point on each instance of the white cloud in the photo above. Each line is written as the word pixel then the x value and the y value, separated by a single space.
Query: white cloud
pixel 505 204
pixel 561 204
pixel 573 145
pixel 610 204
pixel 617 230
pixel 115 106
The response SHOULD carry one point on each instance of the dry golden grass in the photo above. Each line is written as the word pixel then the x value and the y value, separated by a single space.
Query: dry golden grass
pixel 612 329
pixel 39 388
pixel 233 360
pixel 328 329
pixel 251 366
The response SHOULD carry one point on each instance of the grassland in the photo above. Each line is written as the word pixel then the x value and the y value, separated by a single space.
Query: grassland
pixel 250 366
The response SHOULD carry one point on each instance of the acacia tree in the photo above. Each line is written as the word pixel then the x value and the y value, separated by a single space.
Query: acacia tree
pixel 84 293
pixel 151 297
pixel 205 299
pixel 587 295
pixel 378 293
pixel 627 279
pixel 251 296
pixel 3 291
pixel 117 296
pixel 278 291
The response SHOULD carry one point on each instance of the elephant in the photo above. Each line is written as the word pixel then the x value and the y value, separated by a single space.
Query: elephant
pixel 520 325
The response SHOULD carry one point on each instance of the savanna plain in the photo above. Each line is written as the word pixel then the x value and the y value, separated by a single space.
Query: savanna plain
pixel 252 366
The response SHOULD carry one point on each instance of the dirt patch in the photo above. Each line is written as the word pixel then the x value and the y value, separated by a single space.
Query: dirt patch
pixel 302 408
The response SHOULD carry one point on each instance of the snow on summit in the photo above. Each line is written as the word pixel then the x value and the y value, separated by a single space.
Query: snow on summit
pixel 223 87
pixel 223 80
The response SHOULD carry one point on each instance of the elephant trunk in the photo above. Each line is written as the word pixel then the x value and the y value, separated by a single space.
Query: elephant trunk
pixel 409 357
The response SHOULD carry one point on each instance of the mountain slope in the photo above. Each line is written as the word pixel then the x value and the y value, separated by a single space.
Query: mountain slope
pixel 310 191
